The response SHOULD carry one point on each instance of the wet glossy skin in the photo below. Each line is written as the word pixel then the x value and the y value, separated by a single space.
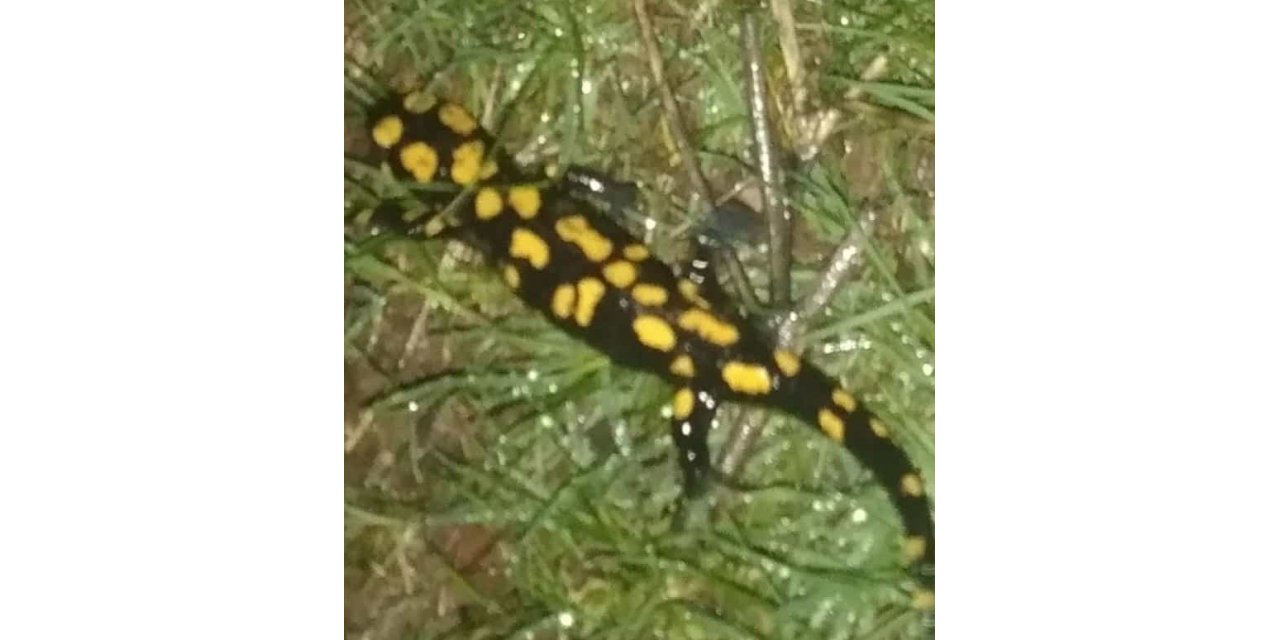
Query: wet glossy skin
pixel 596 281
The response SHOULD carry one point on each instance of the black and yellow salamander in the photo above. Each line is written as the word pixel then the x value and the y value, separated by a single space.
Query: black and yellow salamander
pixel 596 281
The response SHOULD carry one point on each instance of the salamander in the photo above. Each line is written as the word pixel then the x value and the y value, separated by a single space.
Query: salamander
pixel 596 281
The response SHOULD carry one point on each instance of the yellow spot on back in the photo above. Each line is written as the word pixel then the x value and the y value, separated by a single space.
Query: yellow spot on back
pixel 577 230
pixel 525 200
pixel 844 400
pixel 590 291
pixel 922 599
pixel 649 295
pixel 635 252
pixel 911 485
pixel 562 301
pixel 913 548
pixel 654 332
pixel 746 378
pixel 788 362
pixel 682 366
pixel 530 246
pixel 466 162
pixel 488 203
pixel 420 160
pixel 831 425
pixel 388 131
pixel 457 119
pixel 418 102
pixel 620 273
pixel 708 327
pixel 878 428
pixel 682 407
pixel 690 292
pixel 512 275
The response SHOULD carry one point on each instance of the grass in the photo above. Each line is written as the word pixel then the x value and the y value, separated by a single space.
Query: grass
pixel 503 480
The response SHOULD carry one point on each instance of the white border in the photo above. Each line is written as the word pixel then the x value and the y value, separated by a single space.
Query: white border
pixel 172 381
pixel 1107 339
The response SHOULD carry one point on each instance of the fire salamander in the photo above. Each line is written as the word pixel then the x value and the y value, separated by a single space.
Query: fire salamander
pixel 593 279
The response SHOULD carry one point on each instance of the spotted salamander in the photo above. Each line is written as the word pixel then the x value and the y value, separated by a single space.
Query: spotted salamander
pixel 593 279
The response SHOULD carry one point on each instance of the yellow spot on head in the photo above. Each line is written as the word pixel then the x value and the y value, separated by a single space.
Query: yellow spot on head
pixel 620 273
pixel 562 301
pixel 590 291
pixel 913 548
pixel 708 327
pixel 577 230
pixel 911 485
pixel 635 252
pixel 466 162
pixel 878 428
pixel 650 295
pixel 831 425
pixel 788 362
pixel 690 292
pixel 388 131
pixel 746 378
pixel 512 275
pixel 922 599
pixel 682 366
pixel 525 200
pixel 530 246
pixel 420 160
pixel 844 400
pixel 488 203
pixel 654 332
pixel 682 407
pixel 457 119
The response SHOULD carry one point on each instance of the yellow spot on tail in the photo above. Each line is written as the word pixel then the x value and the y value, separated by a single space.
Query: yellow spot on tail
pixel 682 407
pixel 746 378
pixel 488 169
pixel 844 400
pixel 577 230
pixel 420 160
pixel 388 131
pixel 690 292
pixel 788 362
pixel 590 291
pixel 878 428
pixel 913 548
pixel 457 119
pixel 562 301
pixel 654 332
pixel 649 295
pixel 620 273
pixel 512 275
pixel 466 162
pixel 831 425
pixel 418 102
pixel 922 599
pixel 911 485
pixel 682 366
pixel 635 252
pixel 525 200
pixel 530 246
pixel 488 203
pixel 708 327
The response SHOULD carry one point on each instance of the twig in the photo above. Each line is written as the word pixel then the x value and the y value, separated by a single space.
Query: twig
pixel 688 155
pixel 785 17
pixel 777 215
